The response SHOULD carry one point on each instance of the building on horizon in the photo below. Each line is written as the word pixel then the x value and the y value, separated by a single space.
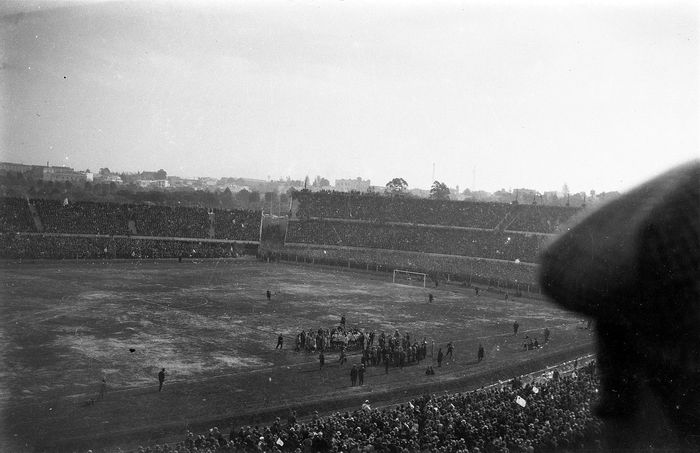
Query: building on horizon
pixel 107 179
pixel 11 167
pixel 62 174
pixel 352 185
pixel 153 183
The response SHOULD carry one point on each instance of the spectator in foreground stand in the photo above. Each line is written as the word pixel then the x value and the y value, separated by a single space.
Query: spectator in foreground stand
pixel 634 266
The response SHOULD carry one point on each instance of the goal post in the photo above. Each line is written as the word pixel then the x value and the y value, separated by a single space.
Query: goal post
pixel 409 277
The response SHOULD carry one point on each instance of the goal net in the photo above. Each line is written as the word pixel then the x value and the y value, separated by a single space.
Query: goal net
pixel 409 278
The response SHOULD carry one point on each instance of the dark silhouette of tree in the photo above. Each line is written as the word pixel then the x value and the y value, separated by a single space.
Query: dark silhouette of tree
pixel 243 196
pixel 439 191
pixel 226 198
pixel 396 186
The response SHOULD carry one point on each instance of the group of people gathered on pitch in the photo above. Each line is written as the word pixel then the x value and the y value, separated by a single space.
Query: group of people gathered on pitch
pixel 530 343
pixel 376 348
pixel 337 338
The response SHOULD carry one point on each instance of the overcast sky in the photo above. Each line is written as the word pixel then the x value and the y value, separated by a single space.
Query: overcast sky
pixel 494 94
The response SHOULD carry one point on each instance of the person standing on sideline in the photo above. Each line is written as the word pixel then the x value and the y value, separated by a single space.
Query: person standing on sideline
pixel 103 388
pixel 439 357
pixel 268 294
pixel 361 374
pixel 161 378
pixel 280 342
pixel 321 360
pixel 430 298
pixel 516 326
pixel 450 351
pixel 480 353
pixel 546 335
pixel 353 375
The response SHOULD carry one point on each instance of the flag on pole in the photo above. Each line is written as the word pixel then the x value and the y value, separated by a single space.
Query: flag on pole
pixel 521 401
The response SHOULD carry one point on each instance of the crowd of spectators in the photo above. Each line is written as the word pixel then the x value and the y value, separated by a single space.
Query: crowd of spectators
pixel 403 209
pixel 238 223
pixel 87 217
pixel 459 268
pixel 539 218
pixel 83 217
pixel 15 215
pixel 509 246
pixel 169 221
pixel 334 339
pixel 546 416
pixel 377 348
pixel 46 246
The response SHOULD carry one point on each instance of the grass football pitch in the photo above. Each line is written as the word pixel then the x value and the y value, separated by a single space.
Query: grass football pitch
pixel 66 324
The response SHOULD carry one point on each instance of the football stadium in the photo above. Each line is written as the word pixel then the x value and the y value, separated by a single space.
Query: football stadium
pixel 308 226
pixel 354 321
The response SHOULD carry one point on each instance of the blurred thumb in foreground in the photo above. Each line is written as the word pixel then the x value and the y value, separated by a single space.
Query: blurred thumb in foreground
pixel 633 265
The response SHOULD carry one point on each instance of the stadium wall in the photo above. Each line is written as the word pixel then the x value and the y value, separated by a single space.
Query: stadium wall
pixel 86 246
pixel 467 271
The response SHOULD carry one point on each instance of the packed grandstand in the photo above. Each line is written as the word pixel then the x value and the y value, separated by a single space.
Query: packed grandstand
pixel 551 413
pixel 40 228
pixel 491 243
pixel 494 244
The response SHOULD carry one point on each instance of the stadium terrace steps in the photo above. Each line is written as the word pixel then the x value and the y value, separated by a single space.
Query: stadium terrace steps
pixel 404 209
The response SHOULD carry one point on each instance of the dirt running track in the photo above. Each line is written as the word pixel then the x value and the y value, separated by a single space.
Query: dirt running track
pixel 66 324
